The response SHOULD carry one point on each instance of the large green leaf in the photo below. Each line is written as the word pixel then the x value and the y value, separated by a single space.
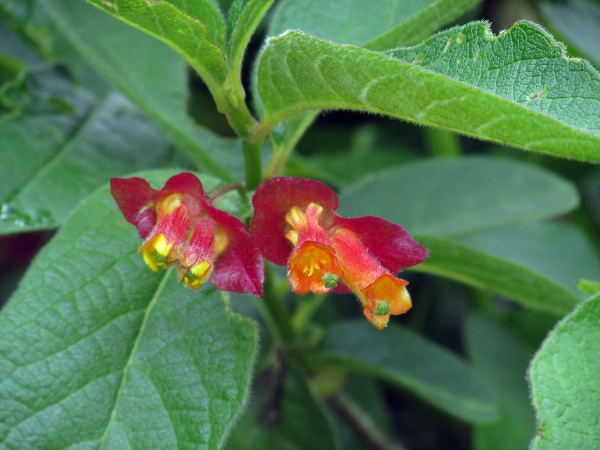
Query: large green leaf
pixel 564 382
pixel 284 414
pixel 61 143
pixel 409 361
pixel 559 251
pixel 97 351
pixel 148 72
pixel 502 363
pixel 454 197
pixel 377 24
pixel 485 270
pixel 380 24
pixel 464 79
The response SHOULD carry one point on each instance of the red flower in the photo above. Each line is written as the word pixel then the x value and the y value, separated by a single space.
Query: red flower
pixel 181 227
pixel 295 224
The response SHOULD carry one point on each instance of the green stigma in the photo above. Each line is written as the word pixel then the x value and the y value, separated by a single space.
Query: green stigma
pixel 330 280
pixel 382 308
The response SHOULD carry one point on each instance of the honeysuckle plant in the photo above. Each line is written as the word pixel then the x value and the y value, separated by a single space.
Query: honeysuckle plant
pixel 203 230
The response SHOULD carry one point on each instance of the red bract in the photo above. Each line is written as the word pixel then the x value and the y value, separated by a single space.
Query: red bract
pixel 295 224
pixel 181 227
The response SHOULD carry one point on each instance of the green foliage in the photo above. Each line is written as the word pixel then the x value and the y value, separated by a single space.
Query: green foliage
pixel 78 142
pixel 98 351
pixel 471 215
pixel 563 384
pixel 289 418
pixel 463 79
pixel 501 361
pixel 407 360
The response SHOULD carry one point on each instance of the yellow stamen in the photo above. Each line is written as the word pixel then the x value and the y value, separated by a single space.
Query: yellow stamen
pixel 156 252
pixel 167 205
pixel 221 242
pixel 197 274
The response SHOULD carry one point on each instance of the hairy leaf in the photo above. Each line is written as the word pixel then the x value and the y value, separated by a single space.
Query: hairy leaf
pixel 564 385
pixel 409 361
pixel 61 143
pixel 97 351
pixel 464 79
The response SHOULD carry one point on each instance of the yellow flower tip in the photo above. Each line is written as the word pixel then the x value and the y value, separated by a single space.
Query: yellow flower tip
pixel 292 236
pixel 390 289
pixel 167 205
pixel 196 275
pixel 380 322
pixel 156 252
pixel 309 264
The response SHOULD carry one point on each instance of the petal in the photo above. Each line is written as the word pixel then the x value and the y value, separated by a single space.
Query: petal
pixel 134 197
pixel 183 183
pixel 272 200
pixel 241 267
pixel 389 243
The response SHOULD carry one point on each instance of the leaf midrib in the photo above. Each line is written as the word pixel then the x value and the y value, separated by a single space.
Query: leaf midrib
pixel 130 360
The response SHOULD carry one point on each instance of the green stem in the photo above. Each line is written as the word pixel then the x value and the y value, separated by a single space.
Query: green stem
pixel 253 164
pixel 442 143
pixel 278 316
pixel 282 152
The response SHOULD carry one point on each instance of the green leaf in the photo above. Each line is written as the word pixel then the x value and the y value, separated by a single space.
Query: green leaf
pixel 196 32
pixel 97 351
pixel 377 24
pixel 559 251
pixel 574 20
pixel 148 72
pixel 454 197
pixel 484 270
pixel 62 143
pixel 242 20
pixel 463 79
pixel 502 363
pixel 564 382
pixel 409 361
pixel 284 416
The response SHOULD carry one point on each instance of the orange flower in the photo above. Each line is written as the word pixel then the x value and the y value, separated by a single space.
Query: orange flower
pixel 295 224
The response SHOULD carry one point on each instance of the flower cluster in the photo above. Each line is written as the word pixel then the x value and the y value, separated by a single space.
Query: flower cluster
pixel 294 225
